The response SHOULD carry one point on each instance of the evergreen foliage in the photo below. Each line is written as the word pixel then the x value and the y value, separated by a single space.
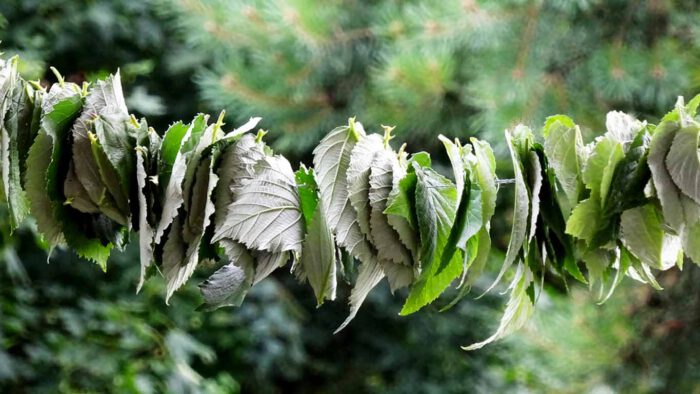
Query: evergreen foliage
pixel 430 67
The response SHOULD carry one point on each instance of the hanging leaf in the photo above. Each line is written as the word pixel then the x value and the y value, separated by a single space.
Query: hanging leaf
pixel 518 142
pixel 563 146
pixel 236 168
pixel 61 107
pixel 145 229
pixel 370 273
pixel 381 180
pixel 171 183
pixel 318 255
pixel 518 310
pixel 665 188
pixel 643 235
pixel 331 163
pixel 265 214
pixel 436 205
pixel 683 161
pixel 229 285
pixel 358 178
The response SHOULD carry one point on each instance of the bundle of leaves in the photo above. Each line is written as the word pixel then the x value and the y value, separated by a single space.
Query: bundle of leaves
pixel 622 205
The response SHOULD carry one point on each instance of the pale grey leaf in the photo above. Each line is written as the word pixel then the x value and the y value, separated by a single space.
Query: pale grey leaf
pixel 622 127
pixel 318 262
pixel 369 275
pixel 398 275
pixel 145 230
pixel 236 167
pixel 267 262
pixel 518 310
pixel 358 178
pixel 331 162
pixel 265 214
pixel 381 181
pixel 521 211
pixel 683 161
pixel 667 191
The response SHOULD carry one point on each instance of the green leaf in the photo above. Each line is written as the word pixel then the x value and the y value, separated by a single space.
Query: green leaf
pixel 600 167
pixel 308 193
pixel 436 205
pixel 172 192
pixel 563 145
pixel 113 202
pixel 584 219
pixel 642 234
pixel 517 142
pixel 105 97
pixel 455 154
pixel 43 162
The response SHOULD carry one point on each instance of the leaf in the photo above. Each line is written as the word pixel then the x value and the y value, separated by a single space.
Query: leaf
pixel 563 146
pixel 308 193
pixel 358 178
pixel 197 214
pixel 265 214
pixel 113 202
pixel 382 177
pixel 318 257
pixel 116 137
pixel 172 197
pixel 683 161
pixel 518 310
pixel 584 219
pixel 643 235
pixel 267 262
pixel 666 190
pixel 229 285
pixel 398 275
pixel 521 209
pixel 436 205
pixel 105 97
pixel 174 252
pixel 600 166
pixel 370 273
pixel 622 128
pixel 236 168
pixel 331 162
pixel 225 287
pixel 42 161
pixel 484 170
pixel 146 231
pixel 455 154
pixel 16 111
pixel 535 187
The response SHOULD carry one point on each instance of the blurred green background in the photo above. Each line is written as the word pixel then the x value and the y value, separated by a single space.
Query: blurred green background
pixel 461 68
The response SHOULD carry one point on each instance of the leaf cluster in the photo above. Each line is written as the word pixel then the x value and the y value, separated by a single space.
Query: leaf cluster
pixel 199 196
